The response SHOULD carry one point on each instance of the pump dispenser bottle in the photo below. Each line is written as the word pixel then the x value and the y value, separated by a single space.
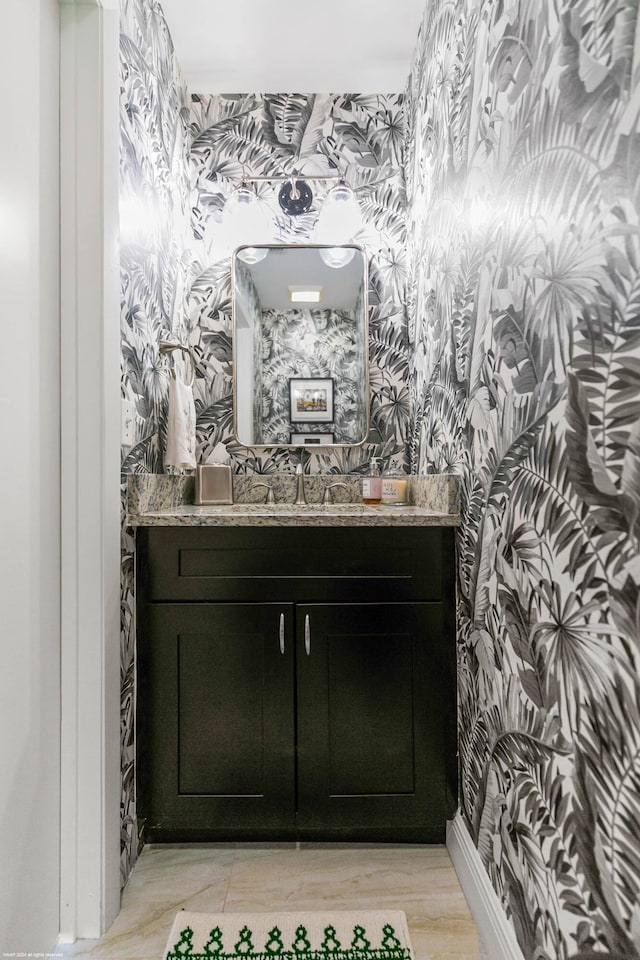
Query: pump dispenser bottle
pixel 372 484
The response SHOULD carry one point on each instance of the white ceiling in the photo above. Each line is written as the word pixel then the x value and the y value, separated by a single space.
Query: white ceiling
pixel 304 267
pixel 287 46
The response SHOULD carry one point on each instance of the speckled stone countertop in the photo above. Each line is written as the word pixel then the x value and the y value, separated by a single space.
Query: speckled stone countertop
pixel 161 500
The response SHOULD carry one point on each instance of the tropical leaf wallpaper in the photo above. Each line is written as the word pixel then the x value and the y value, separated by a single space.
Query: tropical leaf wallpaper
pixel 155 267
pixel 259 135
pixel 523 180
pixel 176 274
pixel 310 343
pixel 249 311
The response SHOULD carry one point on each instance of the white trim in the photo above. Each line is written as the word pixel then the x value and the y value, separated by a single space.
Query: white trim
pixel 106 4
pixel 90 471
pixel 497 937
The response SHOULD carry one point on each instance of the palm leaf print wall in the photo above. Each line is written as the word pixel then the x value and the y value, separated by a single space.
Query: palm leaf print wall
pixel 523 170
pixel 256 135
pixel 310 343
pixel 154 275
pixel 176 275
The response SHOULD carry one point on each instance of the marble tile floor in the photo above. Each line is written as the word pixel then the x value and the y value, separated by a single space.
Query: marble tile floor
pixel 252 878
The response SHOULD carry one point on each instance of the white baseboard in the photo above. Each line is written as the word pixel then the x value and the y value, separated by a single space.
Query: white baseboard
pixel 497 938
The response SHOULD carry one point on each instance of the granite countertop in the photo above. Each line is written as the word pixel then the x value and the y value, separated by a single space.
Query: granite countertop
pixel 289 515
pixel 160 500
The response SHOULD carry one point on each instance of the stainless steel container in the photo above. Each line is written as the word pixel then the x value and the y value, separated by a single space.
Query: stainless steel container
pixel 214 484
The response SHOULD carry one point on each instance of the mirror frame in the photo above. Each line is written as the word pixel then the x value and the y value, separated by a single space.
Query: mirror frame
pixel 234 347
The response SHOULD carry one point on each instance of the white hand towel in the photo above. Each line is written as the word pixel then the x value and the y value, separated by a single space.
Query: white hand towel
pixel 181 427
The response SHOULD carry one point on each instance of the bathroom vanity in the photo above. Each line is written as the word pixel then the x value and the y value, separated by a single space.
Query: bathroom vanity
pixel 296 673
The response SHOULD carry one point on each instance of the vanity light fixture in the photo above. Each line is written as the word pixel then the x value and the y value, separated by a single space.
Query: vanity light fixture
pixel 337 257
pixel 295 197
pixel 306 294
pixel 245 219
pixel 340 218
pixel 252 255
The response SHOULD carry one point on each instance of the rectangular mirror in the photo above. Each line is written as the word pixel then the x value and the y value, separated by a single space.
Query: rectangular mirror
pixel 300 346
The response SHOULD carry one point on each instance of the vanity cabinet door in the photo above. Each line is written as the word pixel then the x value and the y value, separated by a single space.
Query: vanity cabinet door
pixel 216 720
pixel 373 698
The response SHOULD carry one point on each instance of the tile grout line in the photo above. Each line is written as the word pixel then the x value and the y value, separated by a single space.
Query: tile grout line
pixel 228 887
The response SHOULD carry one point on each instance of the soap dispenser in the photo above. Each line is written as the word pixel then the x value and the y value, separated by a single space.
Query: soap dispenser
pixel 372 483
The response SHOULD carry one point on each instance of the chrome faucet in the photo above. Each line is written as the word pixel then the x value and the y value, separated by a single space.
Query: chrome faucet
pixel 270 494
pixel 301 497
pixel 327 491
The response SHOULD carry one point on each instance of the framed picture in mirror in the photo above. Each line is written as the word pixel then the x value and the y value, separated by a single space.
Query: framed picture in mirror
pixel 312 439
pixel 311 399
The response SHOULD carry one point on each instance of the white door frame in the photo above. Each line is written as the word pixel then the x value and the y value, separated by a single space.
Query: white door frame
pixel 90 471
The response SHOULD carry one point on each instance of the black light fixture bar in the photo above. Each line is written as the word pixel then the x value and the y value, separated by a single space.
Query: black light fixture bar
pixel 295 196
pixel 287 179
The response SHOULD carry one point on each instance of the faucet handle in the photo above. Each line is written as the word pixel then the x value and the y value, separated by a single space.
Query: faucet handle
pixel 270 494
pixel 327 491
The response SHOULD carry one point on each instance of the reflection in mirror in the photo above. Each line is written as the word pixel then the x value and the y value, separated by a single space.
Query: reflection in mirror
pixel 300 346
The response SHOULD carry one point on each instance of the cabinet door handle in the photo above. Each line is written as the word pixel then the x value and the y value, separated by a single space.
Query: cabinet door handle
pixel 307 635
pixel 282 633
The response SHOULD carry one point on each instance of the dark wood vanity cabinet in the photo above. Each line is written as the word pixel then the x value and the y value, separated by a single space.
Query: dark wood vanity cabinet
pixel 296 683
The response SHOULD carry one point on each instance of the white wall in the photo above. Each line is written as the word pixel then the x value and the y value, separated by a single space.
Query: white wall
pixel 29 478
pixel 90 444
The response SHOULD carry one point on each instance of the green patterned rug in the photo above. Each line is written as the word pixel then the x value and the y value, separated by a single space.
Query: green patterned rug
pixel 335 935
